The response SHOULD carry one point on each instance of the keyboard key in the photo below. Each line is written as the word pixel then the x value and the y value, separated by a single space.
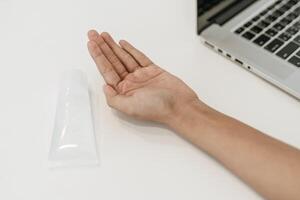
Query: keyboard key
pixel 284 8
pixel 295 61
pixel 261 40
pixel 285 21
pixel 274 45
pixel 248 35
pixel 297 39
pixel 264 12
pixel 284 36
pixel 287 50
pixel 287 6
pixel 298 53
pixel 256 18
pixel 292 2
pixel 271 18
pixel 248 24
pixel 278 27
pixel 296 14
pixel 292 30
pixel 256 29
pixel 271 32
pixel 292 16
pixel 278 13
pixel 239 30
pixel 297 10
pixel 271 7
pixel 297 25
pixel 263 24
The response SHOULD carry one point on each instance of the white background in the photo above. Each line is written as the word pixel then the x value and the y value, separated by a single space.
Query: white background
pixel 41 39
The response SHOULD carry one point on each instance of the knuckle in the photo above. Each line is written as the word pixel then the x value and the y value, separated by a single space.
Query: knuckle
pixel 123 73
pixel 107 70
pixel 98 55
pixel 114 60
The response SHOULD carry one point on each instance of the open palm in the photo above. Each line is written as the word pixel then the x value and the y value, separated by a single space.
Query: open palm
pixel 135 85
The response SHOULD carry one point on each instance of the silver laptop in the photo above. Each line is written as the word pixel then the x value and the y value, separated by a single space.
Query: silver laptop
pixel 262 36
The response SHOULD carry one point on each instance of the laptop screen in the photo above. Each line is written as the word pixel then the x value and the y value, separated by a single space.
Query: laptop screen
pixel 206 5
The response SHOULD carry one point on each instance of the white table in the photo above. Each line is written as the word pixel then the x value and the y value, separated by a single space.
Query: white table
pixel 41 39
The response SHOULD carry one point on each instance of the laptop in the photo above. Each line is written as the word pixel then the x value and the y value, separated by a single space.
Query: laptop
pixel 262 36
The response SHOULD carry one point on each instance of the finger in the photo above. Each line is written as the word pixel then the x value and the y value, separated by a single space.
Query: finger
pixel 142 59
pixel 106 69
pixel 92 35
pixel 124 56
pixel 117 101
pixel 109 54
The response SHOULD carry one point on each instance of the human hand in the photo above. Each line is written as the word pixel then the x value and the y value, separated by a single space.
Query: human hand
pixel 135 85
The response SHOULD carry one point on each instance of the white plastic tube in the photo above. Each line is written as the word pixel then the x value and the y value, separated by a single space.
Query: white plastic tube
pixel 73 141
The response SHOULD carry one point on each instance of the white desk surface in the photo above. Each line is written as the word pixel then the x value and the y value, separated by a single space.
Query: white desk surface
pixel 41 39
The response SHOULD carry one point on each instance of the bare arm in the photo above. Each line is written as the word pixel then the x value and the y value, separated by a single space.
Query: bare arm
pixel 269 166
pixel 138 87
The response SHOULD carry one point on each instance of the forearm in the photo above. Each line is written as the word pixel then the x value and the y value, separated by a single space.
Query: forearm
pixel 271 167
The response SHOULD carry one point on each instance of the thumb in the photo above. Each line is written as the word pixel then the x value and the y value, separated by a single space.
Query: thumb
pixel 114 100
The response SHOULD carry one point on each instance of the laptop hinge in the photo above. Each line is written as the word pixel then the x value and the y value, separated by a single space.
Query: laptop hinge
pixel 224 15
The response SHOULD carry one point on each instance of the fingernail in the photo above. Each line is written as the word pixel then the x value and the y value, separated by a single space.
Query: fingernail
pixel 122 42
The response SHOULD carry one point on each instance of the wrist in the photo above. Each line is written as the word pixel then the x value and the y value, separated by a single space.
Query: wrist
pixel 190 114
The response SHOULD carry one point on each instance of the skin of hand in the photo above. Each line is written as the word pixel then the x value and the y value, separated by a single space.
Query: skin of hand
pixel 139 88
pixel 135 85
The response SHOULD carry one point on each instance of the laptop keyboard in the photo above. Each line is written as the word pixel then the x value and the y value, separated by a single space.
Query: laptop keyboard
pixel 277 30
